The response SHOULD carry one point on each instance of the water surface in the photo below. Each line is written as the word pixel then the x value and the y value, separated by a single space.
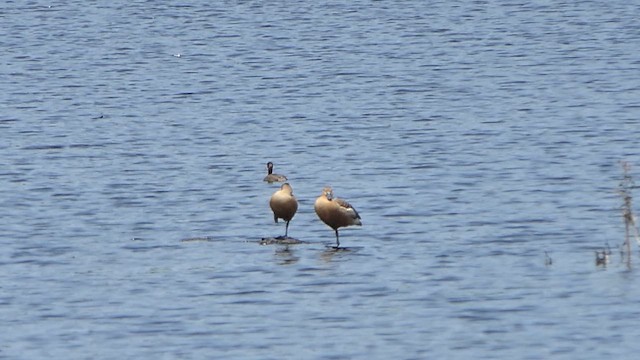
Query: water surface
pixel 472 137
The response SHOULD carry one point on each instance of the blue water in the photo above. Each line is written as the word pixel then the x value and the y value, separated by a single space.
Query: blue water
pixel 472 137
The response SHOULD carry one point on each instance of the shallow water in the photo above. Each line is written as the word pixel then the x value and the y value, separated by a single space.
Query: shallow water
pixel 471 137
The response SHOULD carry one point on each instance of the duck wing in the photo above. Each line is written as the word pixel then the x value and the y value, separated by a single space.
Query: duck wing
pixel 347 208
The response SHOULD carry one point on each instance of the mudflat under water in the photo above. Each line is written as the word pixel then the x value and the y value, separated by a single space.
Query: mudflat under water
pixel 472 137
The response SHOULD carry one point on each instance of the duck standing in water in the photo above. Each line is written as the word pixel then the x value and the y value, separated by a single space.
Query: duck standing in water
pixel 271 177
pixel 284 205
pixel 335 212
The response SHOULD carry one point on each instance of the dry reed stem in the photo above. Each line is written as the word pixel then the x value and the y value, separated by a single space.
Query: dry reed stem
pixel 625 188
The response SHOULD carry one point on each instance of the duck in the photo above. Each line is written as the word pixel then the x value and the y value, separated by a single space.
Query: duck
pixel 284 205
pixel 271 177
pixel 335 212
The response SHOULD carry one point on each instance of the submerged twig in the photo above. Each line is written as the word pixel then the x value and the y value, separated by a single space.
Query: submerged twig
pixel 626 185
pixel 548 261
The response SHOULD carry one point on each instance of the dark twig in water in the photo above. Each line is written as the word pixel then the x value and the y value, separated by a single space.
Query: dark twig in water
pixel 625 187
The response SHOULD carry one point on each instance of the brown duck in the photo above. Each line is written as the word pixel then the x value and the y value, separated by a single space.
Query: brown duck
pixel 335 212
pixel 284 205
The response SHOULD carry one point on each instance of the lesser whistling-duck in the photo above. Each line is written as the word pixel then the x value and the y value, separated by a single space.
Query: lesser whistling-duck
pixel 335 212
pixel 284 205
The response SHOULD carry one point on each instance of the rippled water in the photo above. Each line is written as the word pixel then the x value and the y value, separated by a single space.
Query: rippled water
pixel 472 137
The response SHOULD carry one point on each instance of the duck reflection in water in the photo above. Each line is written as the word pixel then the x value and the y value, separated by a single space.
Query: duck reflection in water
pixel 286 256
